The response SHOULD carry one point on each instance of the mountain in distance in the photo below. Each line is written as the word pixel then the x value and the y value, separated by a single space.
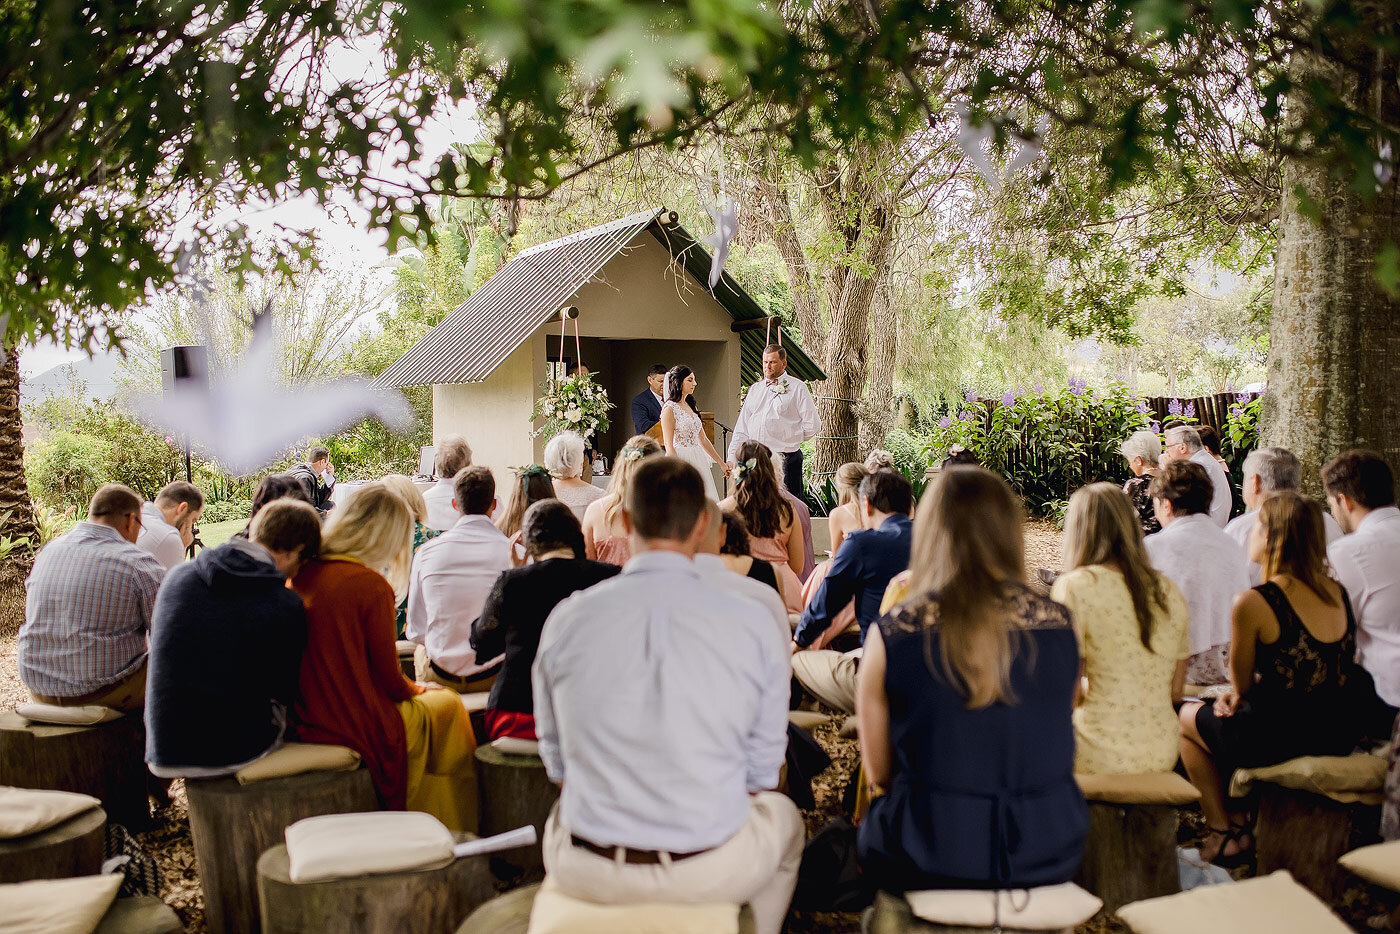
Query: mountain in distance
pixel 98 373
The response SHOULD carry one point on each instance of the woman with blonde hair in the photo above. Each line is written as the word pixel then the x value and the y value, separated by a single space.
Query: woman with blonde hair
pixel 1134 635
pixel 775 535
pixel 604 538
pixel 964 695
pixel 844 519
pixel 417 744
pixel 563 458
pixel 405 487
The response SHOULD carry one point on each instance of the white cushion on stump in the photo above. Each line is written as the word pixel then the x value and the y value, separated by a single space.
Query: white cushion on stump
pixel 514 746
pixel 57 906
pixel 1048 907
pixel 475 701
pixel 1272 904
pixel 334 846
pixel 1167 788
pixel 1344 779
pixel 89 715
pixel 1378 864
pixel 557 913
pixel 26 811
pixel 297 758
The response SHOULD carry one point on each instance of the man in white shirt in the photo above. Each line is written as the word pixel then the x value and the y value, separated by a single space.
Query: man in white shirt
pixel 1361 494
pixel 167 525
pixel 1204 562
pixel 452 576
pixel 1184 444
pixel 1266 471
pixel 779 412
pixel 451 458
pixel 661 708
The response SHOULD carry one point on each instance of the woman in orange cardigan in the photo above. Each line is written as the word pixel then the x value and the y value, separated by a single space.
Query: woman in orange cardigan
pixel 417 743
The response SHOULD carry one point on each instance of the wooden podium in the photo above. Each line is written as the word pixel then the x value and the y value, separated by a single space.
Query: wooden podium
pixel 707 420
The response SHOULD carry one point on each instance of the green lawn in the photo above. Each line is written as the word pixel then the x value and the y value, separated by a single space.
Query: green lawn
pixel 213 534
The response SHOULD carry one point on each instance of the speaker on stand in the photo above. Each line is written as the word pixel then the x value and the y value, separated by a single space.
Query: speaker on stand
pixel 185 368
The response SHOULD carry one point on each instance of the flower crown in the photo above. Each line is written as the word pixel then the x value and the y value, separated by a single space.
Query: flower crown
pixel 742 470
pixel 532 470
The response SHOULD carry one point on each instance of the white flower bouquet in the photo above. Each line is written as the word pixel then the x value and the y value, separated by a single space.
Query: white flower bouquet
pixel 573 404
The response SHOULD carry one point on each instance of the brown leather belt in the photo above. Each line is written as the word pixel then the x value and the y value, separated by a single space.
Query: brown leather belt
pixel 636 857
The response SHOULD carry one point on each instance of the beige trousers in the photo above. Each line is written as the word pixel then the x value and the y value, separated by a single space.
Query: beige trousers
pixel 757 866
pixel 127 695
pixel 828 676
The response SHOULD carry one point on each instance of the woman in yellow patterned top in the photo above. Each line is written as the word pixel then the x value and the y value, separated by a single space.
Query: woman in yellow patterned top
pixel 1133 632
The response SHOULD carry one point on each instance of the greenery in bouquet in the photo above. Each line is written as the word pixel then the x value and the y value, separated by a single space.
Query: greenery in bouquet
pixel 573 404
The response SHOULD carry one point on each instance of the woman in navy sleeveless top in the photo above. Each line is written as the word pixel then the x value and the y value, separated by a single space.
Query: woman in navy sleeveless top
pixel 964 700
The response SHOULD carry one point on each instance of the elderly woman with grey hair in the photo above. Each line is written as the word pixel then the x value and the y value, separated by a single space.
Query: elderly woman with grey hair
pixel 1143 449
pixel 563 458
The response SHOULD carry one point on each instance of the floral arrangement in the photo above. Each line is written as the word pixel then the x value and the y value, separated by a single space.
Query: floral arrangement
pixel 573 404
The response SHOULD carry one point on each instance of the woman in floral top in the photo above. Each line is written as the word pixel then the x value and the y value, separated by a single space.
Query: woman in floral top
pixel 1142 449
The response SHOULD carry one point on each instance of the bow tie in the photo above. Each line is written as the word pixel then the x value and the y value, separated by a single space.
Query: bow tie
pixel 770 382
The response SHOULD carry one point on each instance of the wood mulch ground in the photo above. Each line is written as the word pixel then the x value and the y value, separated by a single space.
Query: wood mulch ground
pixel 170 840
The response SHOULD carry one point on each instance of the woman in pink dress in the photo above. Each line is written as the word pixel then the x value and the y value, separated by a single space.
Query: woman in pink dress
pixel 604 538
pixel 775 535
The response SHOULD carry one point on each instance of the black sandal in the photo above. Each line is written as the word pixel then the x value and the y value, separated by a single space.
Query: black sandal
pixel 1236 834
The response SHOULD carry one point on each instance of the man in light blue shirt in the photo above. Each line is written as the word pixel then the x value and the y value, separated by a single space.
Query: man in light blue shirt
pixel 661 708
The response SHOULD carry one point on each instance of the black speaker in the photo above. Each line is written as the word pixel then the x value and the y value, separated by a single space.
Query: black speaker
pixel 185 366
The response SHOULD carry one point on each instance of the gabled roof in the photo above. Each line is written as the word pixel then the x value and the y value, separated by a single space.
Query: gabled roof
pixel 468 345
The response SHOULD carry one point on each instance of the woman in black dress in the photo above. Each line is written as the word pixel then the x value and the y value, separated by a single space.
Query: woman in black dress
pixel 1297 689
pixel 1143 449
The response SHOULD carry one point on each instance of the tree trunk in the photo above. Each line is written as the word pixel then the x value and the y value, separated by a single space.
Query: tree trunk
pixel 1334 344
pixel 16 510
pixel 877 410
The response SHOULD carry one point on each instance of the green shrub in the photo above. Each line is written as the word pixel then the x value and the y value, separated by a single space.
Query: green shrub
pixel 227 509
pixel 65 469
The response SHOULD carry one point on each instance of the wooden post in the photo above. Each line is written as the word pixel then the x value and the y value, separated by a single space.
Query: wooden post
pixel 1130 853
pixel 428 901
pixel 1306 834
pixel 72 848
pixel 234 824
pixel 105 760
pixel 891 914
pixel 514 791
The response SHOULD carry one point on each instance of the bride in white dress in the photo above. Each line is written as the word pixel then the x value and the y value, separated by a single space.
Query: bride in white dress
pixel 682 431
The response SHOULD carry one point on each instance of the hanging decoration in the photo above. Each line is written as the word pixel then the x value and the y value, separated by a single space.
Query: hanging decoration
pixel 975 139
pixel 575 403
pixel 724 214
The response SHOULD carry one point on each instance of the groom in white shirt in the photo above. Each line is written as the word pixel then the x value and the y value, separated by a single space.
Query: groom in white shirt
pixel 779 412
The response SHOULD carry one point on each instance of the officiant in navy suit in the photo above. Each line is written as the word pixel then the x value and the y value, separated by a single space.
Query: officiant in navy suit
pixel 646 405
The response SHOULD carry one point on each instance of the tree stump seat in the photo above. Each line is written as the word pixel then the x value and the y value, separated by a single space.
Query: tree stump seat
pixel 406 662
pixel 73 848
pixel 427 901
pixel 892 914
pixel 105 760
pixel 1130 852
pixel 233 824
pixel 140 914
pixel 514 791
pixel 510 914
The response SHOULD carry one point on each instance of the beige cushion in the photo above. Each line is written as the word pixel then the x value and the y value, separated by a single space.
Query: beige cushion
pixel 56 906
pixel 1272 904
pixel 67 716
pixel 1147 788
pixel 557 913
pixel 334 846
pixel 296 758
pixel 513 746
pixel 807 719
pixel 1378 864
pixel 406 648
pixel 476 701
pixel 25 811
pixel 1048 907
pixel 1346 779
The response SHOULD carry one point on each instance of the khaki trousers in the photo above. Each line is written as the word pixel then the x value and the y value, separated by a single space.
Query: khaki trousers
pixel 477 684
pixel 127 695
pixel 757 866
pixel 828 676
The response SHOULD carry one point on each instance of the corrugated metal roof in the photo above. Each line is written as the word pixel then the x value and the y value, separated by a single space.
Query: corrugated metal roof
pixel 507 308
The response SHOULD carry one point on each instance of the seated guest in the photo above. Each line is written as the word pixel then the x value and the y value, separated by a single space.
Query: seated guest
pixel 317 477
pixel 563 456
pixel 1143 449
pixel 735 555
pixel 403 485
pixel 774 533
pixel 226 642
pixel 520 601
pixel 604 537
pixel 273 487
pixel 1296 689
pixel 417 743
pixel 167 525
pixel 661 706
pixel 647 404
pixel 1134 635
pixel 532 485
pixel 1184 444
pixel 803 513
pixel 452 575
pixel 1361 494
pixel 1206 565
pixel 845 518
pixel 1267 471
pixel 965 697
pixel 1210 440
pixel 451 458
pixel 88 609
